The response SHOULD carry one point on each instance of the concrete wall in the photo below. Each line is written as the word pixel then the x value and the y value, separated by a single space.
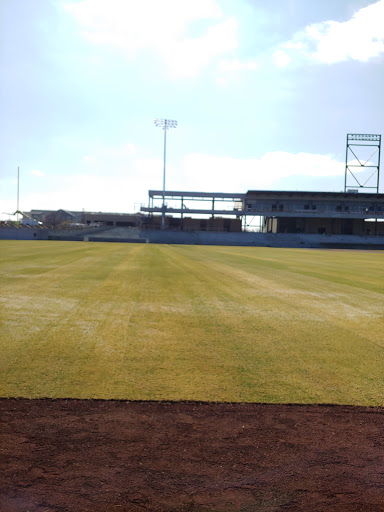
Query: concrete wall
pixel 23 234
pixel 264 239
pixel 211 238
pixel 47 234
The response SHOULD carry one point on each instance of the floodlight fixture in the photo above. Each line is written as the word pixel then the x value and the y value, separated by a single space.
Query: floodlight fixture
pixel 363 136
pixel 164 124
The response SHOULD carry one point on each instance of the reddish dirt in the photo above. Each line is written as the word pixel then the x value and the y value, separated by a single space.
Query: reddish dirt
pixel 107 456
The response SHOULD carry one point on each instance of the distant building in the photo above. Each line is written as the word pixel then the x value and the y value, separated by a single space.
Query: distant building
pixel 344 213
pixel 112 219
pixel 61 215
pixel 193 224
pixel 87 218
pixel 329 213
pixel 325 213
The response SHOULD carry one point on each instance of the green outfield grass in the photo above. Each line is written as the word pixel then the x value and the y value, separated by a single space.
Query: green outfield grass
pixel 139 321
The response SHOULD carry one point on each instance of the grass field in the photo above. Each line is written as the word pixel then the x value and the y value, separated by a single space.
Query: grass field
pixel 139 321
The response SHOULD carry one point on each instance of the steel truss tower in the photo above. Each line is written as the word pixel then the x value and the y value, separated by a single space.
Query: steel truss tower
pixel 356 160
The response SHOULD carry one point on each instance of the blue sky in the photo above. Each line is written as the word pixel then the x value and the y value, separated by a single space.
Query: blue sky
pixel 264 94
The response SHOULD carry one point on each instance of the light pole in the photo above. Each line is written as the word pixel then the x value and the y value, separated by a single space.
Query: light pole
pixel 164 124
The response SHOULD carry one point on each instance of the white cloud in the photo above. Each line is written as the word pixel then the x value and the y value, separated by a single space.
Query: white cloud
pixel 119 184
pixel 91 192
pixel 125 150
pixel 283 164
pixel 234 65
pixel 229 69
pixel 222 82
pixel 296 46
pixel 237 175
pixel 281 58
pixel 36 172
pixel 162 27
pixel 104 153
pixel 188 57
pixel 131 148
pixel 361 38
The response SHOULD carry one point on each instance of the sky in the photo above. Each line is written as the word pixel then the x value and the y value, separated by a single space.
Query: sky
pixel 264 94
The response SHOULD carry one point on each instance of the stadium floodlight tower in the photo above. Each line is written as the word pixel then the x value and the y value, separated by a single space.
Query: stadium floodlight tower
pixel 164 124
pixel 362 162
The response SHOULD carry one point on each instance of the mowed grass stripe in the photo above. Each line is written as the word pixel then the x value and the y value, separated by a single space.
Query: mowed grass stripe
pixel 186 322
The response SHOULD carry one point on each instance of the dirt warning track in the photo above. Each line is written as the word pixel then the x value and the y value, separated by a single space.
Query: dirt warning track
pixel 104 456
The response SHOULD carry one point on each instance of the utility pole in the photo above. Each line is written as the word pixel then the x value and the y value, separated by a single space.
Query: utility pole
pixel 18 196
